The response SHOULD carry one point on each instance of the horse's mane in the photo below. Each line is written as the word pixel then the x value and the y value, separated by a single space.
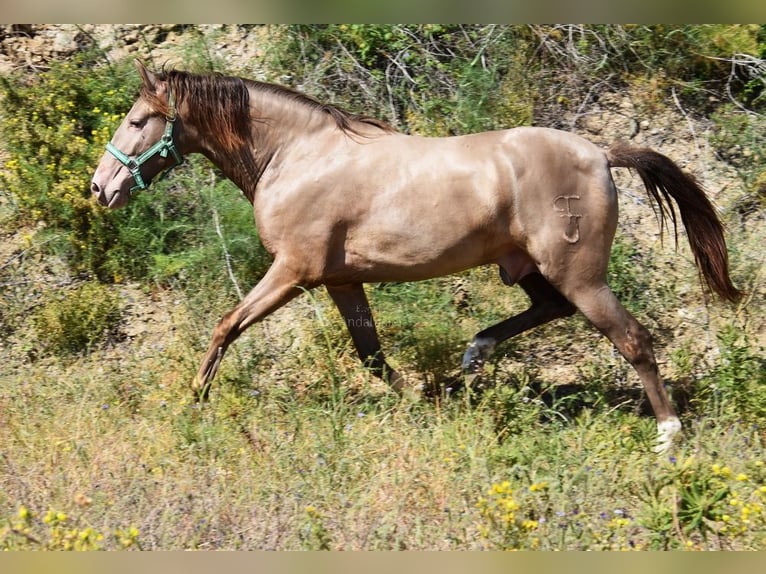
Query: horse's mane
pixel 223 105
pixel 344 119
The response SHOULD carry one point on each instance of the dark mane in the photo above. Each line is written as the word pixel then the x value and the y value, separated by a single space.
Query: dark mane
pixel 223 105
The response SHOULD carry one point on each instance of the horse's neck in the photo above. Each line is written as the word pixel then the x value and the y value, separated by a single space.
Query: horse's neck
pixel 243 168
pixel 278 120
pixel 276 125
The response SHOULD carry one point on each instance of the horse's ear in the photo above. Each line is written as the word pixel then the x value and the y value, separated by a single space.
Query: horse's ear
pixel 147 77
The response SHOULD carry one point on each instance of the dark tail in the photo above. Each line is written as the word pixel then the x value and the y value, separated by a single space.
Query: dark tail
pixel 664 181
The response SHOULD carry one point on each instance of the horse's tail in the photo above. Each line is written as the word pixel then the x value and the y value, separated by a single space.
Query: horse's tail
pixel 664 180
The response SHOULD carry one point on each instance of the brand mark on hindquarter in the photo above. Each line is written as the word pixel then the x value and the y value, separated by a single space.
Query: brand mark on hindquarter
pixel 562 205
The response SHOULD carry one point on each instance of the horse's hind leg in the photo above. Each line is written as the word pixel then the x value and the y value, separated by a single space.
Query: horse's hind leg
pixel 352 303
pixel 633 340
pixel 547 304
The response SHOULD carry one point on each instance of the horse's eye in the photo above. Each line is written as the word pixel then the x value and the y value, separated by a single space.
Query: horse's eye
pixel 137 123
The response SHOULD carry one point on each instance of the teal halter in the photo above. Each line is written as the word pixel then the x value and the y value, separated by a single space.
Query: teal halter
pixel 163 147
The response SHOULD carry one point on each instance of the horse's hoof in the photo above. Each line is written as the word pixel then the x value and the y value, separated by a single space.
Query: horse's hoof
pixel 200 391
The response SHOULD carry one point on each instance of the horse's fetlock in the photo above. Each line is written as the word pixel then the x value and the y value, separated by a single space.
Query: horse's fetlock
pixel 667 432
pixel 476 354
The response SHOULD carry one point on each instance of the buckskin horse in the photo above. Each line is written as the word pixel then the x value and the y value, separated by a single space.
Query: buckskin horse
pixel 342 199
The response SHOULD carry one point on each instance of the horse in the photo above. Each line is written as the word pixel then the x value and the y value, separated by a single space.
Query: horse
pixel 342 199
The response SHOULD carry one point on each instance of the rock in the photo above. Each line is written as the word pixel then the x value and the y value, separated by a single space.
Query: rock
pixel 65 41
pixel 593 123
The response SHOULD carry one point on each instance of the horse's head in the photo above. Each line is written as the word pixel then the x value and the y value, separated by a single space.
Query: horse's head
pixel 144 145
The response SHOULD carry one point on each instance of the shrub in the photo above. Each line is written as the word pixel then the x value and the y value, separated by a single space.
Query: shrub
pixel 185 232
pixel 422 319
pixel 626 275
pixel 75 321
pixel 688 501
pixel 429 79
pixel 740 139
pixel 735 389
pixel 704 64
pixel 54 126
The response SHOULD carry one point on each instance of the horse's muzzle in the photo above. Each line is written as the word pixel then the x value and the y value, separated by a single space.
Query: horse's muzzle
pixel 113 199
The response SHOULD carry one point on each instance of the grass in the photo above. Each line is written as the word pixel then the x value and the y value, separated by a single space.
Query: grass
pixel 275 472
pixel 306 451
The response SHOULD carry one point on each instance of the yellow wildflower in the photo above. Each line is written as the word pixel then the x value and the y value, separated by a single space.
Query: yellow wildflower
pixel 502 488
pixel 537 486
pixel 719 470
pixel 529 524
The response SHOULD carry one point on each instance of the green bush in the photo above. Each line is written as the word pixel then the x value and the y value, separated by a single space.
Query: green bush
pixel 428 79
pixel 740 138
pixel 414 315
pixel 75 321
pixel 702 64
pixel 54 126
pixel 626 275
pixel 182 231
pixel 735 389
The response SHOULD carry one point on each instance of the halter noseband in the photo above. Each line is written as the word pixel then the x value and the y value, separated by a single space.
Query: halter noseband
pixel 163 147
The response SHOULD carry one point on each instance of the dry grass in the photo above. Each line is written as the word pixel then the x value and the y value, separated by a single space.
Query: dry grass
pixel 301 449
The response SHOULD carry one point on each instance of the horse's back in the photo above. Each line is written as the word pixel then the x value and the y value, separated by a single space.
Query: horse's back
pixel 557 148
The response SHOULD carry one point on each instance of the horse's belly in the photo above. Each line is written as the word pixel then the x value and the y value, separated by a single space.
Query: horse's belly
pixel 412 256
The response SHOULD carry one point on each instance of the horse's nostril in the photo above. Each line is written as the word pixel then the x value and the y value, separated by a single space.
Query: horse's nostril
pixel 94 188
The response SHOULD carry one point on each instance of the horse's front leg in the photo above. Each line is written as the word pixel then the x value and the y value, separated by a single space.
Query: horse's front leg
pixel 352 303
pixel 276 288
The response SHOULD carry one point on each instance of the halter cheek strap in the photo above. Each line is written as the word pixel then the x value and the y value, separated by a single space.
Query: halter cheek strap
pixel 163 147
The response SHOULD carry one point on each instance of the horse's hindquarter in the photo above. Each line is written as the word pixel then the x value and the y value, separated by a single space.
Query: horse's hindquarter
pixel 397 207
pixel 565 203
